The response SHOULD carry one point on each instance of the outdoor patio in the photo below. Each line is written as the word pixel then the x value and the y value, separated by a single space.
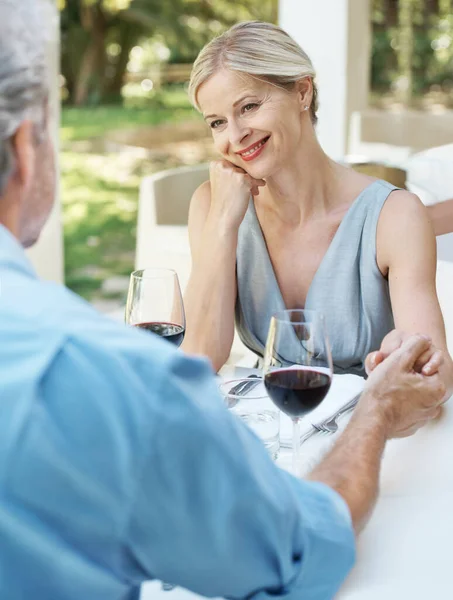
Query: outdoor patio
pixel 105 152
pixel 131 153
pixel 107 155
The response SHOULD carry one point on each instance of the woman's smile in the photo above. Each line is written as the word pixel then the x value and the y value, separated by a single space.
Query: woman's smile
pixel 245 114
pixel 253 151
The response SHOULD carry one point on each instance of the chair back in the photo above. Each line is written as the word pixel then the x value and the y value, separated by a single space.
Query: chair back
pixel 162 217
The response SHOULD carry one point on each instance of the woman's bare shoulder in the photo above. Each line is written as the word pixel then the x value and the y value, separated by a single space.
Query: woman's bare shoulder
pixel 404 225
pixel 402 205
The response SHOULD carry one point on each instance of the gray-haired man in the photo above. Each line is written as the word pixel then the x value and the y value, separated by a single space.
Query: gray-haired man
pixel 118 461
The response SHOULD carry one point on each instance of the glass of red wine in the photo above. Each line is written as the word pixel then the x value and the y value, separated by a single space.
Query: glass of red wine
pixel 155 304
pixel 297 366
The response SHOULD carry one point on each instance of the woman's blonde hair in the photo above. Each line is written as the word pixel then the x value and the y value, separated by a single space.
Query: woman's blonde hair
pixel 261 50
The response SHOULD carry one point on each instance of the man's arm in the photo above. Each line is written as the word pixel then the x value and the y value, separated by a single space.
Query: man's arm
pixel 352 467
pixel 397 401
pixel 212 513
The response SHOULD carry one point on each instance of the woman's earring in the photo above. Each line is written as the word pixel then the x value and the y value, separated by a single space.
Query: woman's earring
pixel 306 107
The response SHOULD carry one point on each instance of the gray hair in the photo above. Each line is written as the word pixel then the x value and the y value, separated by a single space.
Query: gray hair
pixel 24 85
pixel 261 50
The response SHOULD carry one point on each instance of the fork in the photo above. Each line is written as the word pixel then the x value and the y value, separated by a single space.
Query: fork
pixel 330 425
pixel 242 388
pixel 320 428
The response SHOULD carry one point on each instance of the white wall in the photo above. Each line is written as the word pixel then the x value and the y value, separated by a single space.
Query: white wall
pixel 336 34
pixel 47 254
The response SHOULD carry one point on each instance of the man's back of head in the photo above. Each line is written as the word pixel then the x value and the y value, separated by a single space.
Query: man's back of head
pixel 26 165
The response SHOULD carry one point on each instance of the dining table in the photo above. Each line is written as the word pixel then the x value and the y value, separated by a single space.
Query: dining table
pixel 404 551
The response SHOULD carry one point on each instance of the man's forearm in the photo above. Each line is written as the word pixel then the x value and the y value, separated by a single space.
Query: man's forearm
pixel 352 467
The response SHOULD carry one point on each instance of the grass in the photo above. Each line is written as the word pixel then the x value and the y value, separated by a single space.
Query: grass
pixel 100 192
pixel 91 122
pixel 100 212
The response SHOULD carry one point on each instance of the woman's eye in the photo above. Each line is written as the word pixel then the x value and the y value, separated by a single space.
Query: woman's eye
pixel 215 124
pixel 249 107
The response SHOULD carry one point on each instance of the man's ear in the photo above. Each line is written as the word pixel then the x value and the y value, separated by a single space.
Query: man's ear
pixel 23 143
pixel 304 88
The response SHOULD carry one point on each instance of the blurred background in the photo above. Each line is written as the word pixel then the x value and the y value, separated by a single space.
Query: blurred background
pixel 125 114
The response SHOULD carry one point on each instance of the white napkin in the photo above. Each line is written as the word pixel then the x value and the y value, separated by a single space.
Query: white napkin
pixel 343 389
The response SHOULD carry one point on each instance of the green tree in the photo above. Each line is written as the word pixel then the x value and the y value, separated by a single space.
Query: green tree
pixel 412 47
pixel 405 48
pixel 89 27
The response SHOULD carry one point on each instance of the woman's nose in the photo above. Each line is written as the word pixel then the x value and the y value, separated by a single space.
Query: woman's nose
pixel 238 133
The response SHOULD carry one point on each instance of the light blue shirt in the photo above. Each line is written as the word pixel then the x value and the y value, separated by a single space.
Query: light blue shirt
pixel 119 463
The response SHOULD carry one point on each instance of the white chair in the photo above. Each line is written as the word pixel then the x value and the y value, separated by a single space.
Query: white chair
pixel 162 233
pixel 162 236
pixel 431 173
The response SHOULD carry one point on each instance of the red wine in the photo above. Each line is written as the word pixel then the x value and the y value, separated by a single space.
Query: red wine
pixel 297 392
pixel 169 331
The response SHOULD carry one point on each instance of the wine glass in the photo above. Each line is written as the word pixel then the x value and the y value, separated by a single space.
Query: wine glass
pixel 154 303
pixel 297 366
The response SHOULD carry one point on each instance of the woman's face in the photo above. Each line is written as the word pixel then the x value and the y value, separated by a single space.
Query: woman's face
pixel 255 125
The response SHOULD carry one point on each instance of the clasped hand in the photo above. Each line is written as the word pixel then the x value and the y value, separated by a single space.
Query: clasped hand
pixel 428 363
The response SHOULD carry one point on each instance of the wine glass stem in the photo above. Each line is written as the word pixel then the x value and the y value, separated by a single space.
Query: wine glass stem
pixel 296 446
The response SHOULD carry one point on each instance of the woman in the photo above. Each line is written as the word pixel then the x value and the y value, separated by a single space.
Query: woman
pixel 279 224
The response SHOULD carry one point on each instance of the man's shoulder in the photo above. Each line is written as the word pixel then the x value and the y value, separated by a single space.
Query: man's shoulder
pixel 39 319
pixel 46 302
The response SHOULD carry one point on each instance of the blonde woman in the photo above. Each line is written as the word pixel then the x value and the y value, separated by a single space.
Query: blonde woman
pixel 280 224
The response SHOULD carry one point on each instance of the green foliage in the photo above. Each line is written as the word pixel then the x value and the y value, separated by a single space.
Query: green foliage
pixel 100 213
pixel 110 5
pixel 413 45
pixel 80 123
pixel 89 27
pixel 383 61
pixel 100 191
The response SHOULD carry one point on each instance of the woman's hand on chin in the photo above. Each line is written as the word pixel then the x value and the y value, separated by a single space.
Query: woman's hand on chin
pixel 231 188
pixel 428 363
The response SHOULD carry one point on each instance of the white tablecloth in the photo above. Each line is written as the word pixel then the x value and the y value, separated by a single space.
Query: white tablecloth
pixel 404 553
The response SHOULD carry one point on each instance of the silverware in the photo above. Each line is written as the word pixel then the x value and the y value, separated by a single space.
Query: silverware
pixel 327 426
pixel 330 425
pixel 240 389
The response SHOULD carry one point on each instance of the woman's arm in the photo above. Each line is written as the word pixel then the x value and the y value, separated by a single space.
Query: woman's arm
pixel 441 215
pixel 406 251
pixel 211 291
pixel 216 212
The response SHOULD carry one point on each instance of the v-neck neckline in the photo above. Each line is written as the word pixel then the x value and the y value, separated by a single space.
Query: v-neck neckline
pixel 324 258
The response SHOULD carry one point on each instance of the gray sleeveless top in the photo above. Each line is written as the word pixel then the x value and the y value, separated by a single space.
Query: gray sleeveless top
pixel 348 287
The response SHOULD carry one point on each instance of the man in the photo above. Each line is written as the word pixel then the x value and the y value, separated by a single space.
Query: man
pixel 118 461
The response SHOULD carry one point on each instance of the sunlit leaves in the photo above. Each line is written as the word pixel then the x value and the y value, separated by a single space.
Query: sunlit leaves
pixel 112 6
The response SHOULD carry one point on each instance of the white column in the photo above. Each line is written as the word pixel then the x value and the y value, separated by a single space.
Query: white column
pixel 47 254
pixel 336 35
